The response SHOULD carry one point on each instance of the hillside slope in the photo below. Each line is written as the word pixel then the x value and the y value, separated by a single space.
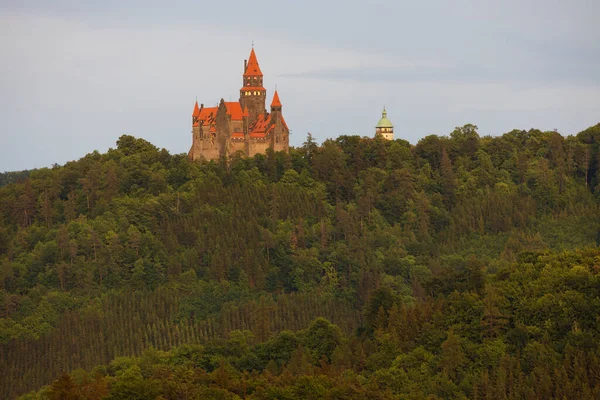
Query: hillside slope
pixel 136 248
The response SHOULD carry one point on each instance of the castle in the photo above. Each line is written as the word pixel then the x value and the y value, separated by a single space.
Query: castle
pixel 242 126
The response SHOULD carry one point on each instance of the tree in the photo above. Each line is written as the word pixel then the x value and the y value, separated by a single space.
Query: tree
pixel 64 389
pixel 321 339
pixel 493 320
pixel 380 300
pixel 453 356
pixel 131 385
pixel 448 180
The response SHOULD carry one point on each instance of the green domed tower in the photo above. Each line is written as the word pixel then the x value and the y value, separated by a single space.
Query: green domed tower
pixel 384 127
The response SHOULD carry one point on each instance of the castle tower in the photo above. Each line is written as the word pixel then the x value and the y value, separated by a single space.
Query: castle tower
pixel 252 94
pixel 195 113
pixel 276 105
pixel 195 124
pixel 280 132
pixel 384 127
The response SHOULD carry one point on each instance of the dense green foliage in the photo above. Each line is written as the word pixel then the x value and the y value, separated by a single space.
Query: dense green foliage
pixel 13 177
pixel 464 266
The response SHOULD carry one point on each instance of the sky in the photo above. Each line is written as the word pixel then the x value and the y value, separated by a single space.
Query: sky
pixel 75 74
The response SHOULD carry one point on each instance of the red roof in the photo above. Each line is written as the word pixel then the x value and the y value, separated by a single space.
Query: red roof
pixel 264 125
pixel 196 110
pixel 207 113
pixel 276 102
pixel 246 88
pixel 261 126
pixel 234 109
pixel 246 113
pixel 252 69
pixel 210 113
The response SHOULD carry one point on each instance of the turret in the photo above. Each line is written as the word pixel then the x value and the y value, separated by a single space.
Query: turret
pixel 195 113
pixel 253 76
pixel 384 127
pixel 276 105
pixel 252 94
pixel 280 133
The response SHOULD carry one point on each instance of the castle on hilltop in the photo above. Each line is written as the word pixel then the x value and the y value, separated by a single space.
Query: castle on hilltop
pixel 242 126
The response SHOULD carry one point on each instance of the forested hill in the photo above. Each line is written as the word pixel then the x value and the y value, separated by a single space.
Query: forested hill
pixel 461 267
pixel 7 178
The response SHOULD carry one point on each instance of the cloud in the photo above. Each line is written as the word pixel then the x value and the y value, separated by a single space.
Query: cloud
pixel 76 75
pixel 514 65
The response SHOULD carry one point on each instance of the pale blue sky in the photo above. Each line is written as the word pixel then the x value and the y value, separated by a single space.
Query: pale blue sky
pixel 75 75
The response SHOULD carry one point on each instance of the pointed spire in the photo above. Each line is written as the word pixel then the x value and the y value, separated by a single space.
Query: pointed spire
pixel 276 102
pixel 196 112
pixel 245 113
pixel 252 68
pixel 384 113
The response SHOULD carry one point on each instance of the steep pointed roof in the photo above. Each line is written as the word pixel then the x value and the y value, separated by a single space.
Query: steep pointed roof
pixel 253 69
pixel 245 113
pixel 276 102
pixel 234 109
pixel 196 112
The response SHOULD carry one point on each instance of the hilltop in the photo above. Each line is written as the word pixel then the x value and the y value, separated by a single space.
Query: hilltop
pixel 458 267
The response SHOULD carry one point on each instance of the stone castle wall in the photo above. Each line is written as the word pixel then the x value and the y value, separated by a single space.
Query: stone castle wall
pixel 258 146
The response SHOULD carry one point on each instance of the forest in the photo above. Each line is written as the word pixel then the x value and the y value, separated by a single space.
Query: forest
pixel 462 267
pixel 13 177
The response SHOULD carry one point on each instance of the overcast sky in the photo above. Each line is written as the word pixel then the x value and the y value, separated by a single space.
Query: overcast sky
pixel 76 74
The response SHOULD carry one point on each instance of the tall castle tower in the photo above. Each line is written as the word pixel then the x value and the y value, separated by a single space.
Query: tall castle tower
pixel 384 127
pixel 252 94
